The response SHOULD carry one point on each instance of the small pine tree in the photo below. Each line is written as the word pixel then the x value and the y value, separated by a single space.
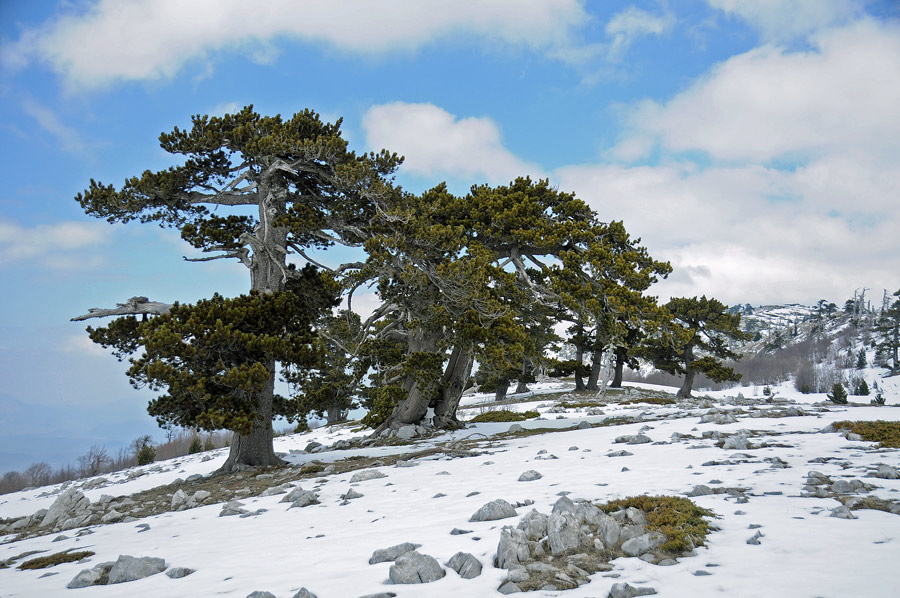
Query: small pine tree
pixel 861 360
pixel 861 388
pixel 196 446
pixel 838 395
pixel 208 444
pixel 146 454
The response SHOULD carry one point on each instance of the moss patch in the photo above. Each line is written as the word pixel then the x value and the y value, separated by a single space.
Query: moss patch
pixel 884 432
pixel 501 415
pixel 55 559
pixel 651 400
pixel 581 404
pixel 678 518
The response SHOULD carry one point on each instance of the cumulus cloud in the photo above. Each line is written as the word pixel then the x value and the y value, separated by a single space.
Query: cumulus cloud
pixel 151 39
pixel 784 20
pixel 631 24
pixel 839 97
pixel 436 143
pixel 54 246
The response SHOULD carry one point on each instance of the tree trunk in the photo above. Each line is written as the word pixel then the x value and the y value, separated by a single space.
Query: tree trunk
pixel 688 356
pixel 267 275
pixel 413 408
pixel 334 414
pixel 456 375
pixel 502 388
pixel 579 359
pixel 619 370
pixel 596 367
pixel 255 449
pixel 521 384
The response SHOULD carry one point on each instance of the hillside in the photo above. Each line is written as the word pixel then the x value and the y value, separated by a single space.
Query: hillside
pixel 771 469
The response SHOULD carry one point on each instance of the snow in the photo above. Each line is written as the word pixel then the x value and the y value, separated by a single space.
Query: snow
pixel 326 547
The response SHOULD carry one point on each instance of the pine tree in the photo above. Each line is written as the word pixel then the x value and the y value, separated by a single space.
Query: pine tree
pixel 838 394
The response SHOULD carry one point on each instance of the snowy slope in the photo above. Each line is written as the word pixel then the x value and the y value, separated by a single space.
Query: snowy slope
pixel 803 553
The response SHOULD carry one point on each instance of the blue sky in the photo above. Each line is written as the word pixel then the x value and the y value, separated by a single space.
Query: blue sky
pixel 754 144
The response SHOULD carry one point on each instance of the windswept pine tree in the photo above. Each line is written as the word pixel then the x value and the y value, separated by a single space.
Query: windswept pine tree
pixel 254 189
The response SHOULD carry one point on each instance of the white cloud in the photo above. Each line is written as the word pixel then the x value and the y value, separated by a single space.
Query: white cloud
pixel 152 39
pixel 770 103
pixel 783 20
pixel 631 24
pixel 69 139
pixel 436 143
pixel 54 246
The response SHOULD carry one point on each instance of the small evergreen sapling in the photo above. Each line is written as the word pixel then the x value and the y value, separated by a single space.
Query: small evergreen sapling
pixel 838 395
pixel 196 446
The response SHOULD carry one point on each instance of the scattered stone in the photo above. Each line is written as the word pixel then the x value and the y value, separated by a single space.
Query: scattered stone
pixel 129 568
pixel 304 593
pixel 619 454
pixel 714 416
pixel 701 573
pixel 465 564
pixel 415 567
pixel 351 494
pixel 366 475
pixel 95 576
pixel 179 572
pixel 312 446
pixel 700 490
pixel 178 499
pixel 384 555
pixel 736 442
pixel 508 587
pixel 530 476
pixel 71 509
pixel 643 543
pixel 842 512
pixel 754 539
pixel 259 594
pixel 885 472
pixel 634 439
pixel 513 549
pixel 494 510
pixel 626 590
pixel 407 432
pixel 534 524
pixel 459 532
pixel 111 517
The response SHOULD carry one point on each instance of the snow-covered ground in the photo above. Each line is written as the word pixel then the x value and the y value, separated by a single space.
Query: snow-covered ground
pixel 326 547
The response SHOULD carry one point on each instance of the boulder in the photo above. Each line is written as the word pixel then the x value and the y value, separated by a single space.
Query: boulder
pixel 530 476
pixel 384 555
pixel 625 590
pixel 842 512
pixel 129 568
pixel 415 567
pixel 513 549
pixel 609 532
pixel 197 498
pixel 261 594
pixel 179 572
pixel 407 432
pixel 298 497
pixel 643 543
pixel 95 576
pixel 71 504
pixel 534 525
pixel 304 593
pixel 365 475
pixel 494 510
pixel 886 472
pixel 563 532
pixel 178 499
pixel 736 442
pixel 465 564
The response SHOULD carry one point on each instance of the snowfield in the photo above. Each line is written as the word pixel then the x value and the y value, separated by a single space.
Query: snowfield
pixel 803 551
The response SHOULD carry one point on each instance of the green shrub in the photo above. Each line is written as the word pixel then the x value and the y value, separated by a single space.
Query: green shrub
pixel 146 454
pixel 861 388
pixel 55 559
pixel 651 400
pixel 208 444
pixel 677 518
pixel 502 415
pixel 838 395
pixel 885 432
pixel 196 446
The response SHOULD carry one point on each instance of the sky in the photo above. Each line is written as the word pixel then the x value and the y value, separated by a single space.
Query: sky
pixel 753 144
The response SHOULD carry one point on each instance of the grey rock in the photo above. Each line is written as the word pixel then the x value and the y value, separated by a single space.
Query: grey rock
pixel 842 512
pixel 701 573
pixel 530 476
pixel 179 572
pixel 95 576
pixel 384 555
pixel 619 454
pixel 631 531
pixel 261 594
pixel 112 516
pixel 886 472
pixel 71 504
pixel 197 498
pixel 609 532
pixel 407 432
pixel 458 532
pixel 854 437
pixel 380 595
pixel 351 494
pixel 312 446
pixel 415 567
pixel 736 442
pixel 129 568
pixel 754 539
pixel 178 499
pixel 304 593
pixel 842 487
pixel 700 490
pixel 636 516
pixel 625 590
pixel 585 425
pixel 518 575
pixel 515 428
pixel 633 439
pixel 366 475
pixel 465 564
pixel 643 543
pixel 508 587
pixel 534 525
pixel 273 491
pixel 494 510
pixel 563 532
pixel 564 504
pixel 304 498
pixel 513 549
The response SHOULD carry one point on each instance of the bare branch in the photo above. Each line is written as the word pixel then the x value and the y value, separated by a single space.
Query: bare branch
pixel 134 306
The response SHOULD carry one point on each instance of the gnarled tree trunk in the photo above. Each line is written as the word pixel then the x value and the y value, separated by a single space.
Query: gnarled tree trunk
pixel 619 370
pixel 596 368
pixel 579 359
pixel 419 394
pixel 456 374
pixel 255 449
pixel 688 356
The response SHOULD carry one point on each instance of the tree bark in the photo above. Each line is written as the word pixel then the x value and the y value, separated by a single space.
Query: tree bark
pixel 596 367
pixel 414 407
pixel 688 356
pixel 255 449
pixel 579 358
pixel 334 414
pixel 456 375
pixel 133 307
pixel 619 370
pixel 502 388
